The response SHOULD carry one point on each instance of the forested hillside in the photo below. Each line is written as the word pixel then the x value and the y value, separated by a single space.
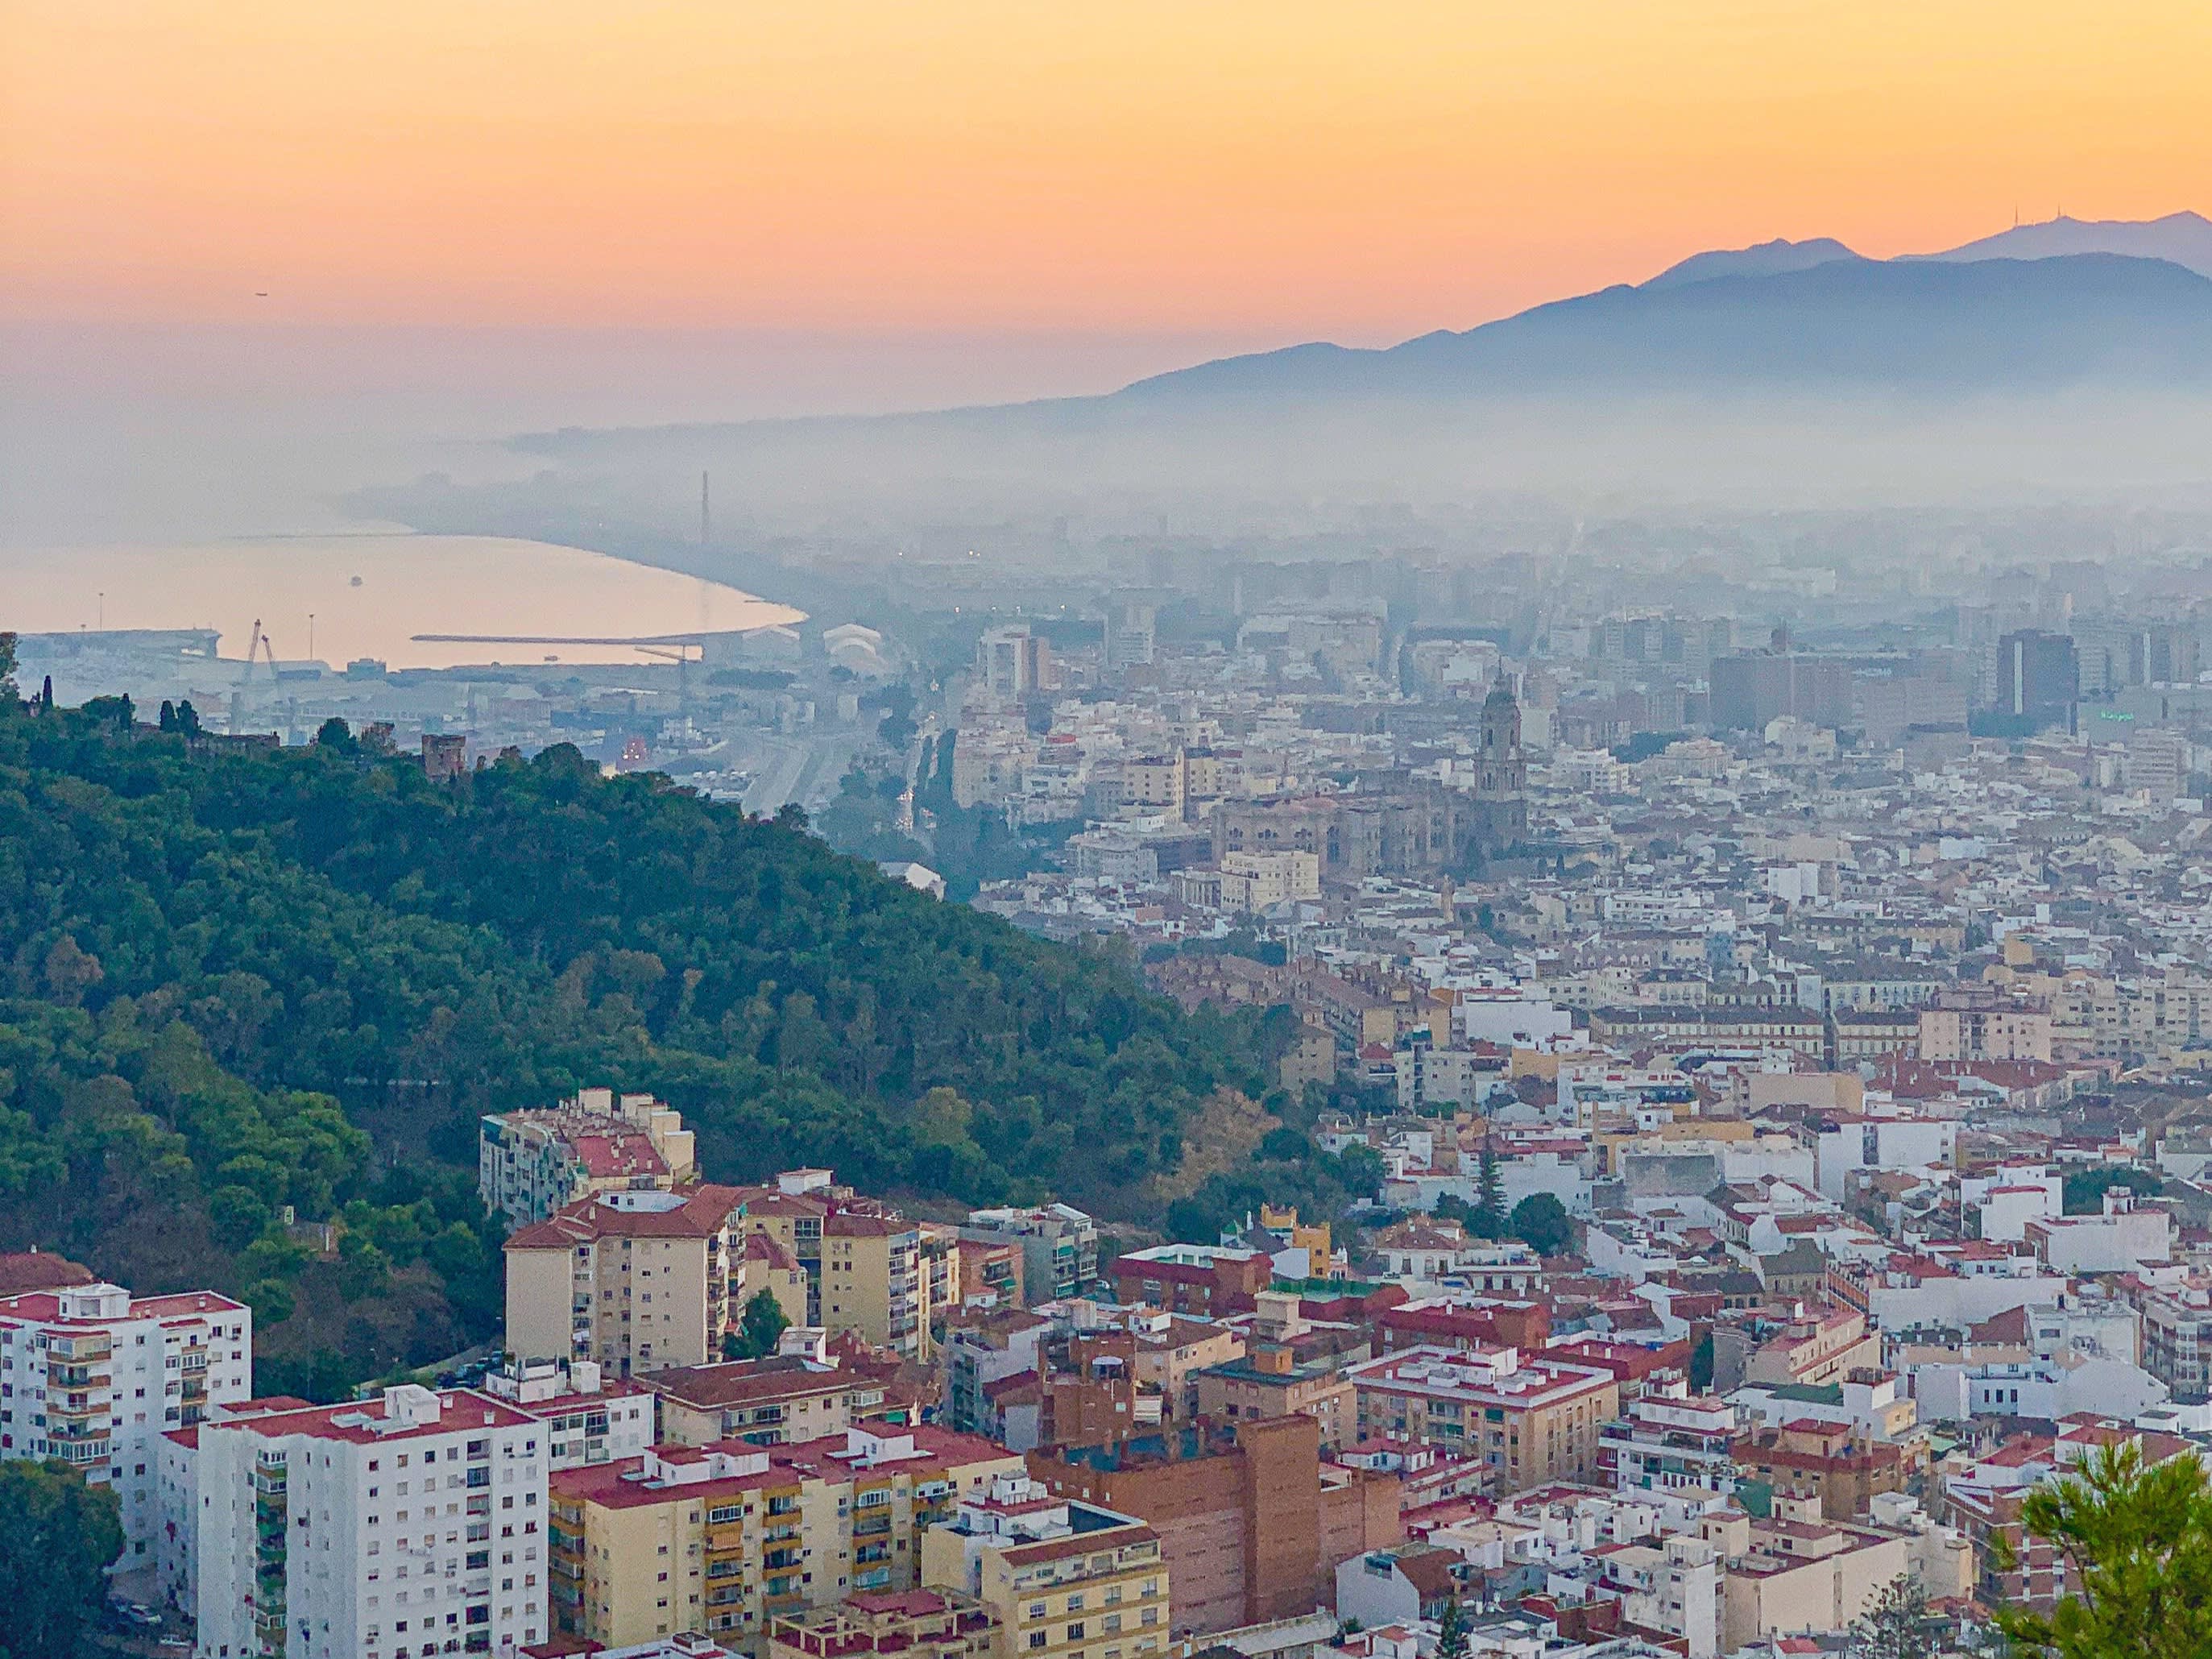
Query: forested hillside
pixel 232 983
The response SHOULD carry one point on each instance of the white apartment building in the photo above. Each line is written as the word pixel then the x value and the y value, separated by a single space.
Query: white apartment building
pixel 1261 881
pixel 1670 1438
pixel 590 1418
pixel 94 1376
pixel 407 1526
pixel 1430 1077
pixel 1012 661
pixel 2119 1241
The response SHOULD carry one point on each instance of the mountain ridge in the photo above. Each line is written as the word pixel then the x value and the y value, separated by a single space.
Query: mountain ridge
pixel 2184 238
pixel 1921 323
pixel 1823 318
pixel 1772 259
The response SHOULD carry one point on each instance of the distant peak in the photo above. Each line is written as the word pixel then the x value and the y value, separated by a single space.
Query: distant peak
pixel 2184 238
pixel 1774 259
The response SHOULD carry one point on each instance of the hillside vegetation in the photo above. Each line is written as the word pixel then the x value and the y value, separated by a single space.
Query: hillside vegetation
pixel 236 984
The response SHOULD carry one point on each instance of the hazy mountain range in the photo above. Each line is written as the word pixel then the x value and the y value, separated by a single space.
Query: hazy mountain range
pixel 2063 303
pixel 2181 239
pixel 2049 356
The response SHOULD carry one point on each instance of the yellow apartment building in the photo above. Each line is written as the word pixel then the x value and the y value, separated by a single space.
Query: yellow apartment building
pixel 725 1539
pixel 635 1280
pixel 1064 1579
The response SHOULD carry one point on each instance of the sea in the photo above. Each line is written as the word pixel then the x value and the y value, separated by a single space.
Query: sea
pixel 336 599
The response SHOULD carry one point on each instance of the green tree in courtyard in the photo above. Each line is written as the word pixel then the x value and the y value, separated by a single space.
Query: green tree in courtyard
pixel 760 1328
pixel 1540 1221
pixel 56 1538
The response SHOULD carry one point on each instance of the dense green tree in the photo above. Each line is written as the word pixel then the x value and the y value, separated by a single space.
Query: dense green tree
pixel 2138 1540
pixel 760 1328
pixel 336 735
pixel 1701 1365
pixel 2085 1189
pixel 57 1536
pixel 1540 1221
pixel 221 972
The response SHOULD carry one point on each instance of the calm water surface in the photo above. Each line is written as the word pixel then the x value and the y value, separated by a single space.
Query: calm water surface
pixel 370 595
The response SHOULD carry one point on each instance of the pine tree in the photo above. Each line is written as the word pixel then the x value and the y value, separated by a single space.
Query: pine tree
pixel 1451 1632
pixel 1489 1194
pixel 1892 1627
pixel 2138 1540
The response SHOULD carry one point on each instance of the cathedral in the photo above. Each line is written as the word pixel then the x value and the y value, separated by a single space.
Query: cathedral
pixel 1499 816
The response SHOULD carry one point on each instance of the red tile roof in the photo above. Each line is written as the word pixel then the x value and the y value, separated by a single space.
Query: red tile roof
pixel 464 1409
pixel 704 1212
pixel 608 1156
pixel 40 1270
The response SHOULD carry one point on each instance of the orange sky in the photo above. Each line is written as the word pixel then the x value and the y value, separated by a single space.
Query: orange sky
pixel 1360 170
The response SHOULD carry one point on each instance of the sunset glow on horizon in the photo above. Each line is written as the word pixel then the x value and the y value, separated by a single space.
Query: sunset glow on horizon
pixel 1362 173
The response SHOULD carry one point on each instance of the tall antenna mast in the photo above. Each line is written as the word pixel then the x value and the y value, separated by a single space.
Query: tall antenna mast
pixel 705 521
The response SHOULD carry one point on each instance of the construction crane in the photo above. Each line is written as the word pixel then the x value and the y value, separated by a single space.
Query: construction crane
pixel 258 644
